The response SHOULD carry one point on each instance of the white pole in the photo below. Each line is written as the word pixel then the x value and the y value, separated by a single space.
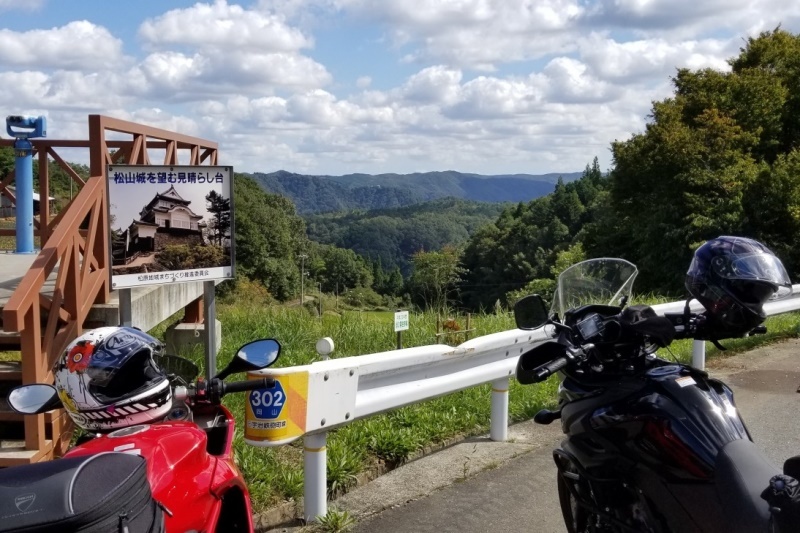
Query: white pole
pixel 125 308
pixel 699 354
pixel 315 492
pixel 210 321
pixel 499 428
pixel 302 277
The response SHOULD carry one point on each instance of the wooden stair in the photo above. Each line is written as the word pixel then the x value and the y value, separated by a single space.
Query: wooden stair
pixel 12 427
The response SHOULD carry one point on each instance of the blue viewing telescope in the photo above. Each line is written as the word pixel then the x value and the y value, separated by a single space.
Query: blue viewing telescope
pixel 21 127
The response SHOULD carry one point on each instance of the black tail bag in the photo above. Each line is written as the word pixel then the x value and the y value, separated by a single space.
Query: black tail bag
pixel 104 493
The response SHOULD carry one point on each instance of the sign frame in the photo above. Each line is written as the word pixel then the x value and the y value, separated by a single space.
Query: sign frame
pixel 154 179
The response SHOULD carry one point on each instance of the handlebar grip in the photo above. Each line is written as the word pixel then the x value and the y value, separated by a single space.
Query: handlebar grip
pixel 251 384
pixel 551 368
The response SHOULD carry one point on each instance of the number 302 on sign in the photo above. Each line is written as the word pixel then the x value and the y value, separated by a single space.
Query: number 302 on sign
pixel 268 403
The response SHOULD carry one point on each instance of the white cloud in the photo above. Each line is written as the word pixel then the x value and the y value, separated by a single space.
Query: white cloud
pixel 29 5
pixel 492 98
pixel 222 25
pixel 661 14
pixel 435 84
pixel 489 85
pixel 222 48
pixel 77 46
pixel 487 124
pixel 571 82
pixel 474 33
pixel 651 59
pixel 62 90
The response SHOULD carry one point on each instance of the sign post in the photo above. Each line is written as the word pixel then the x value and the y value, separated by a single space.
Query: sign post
pixel 171 224
pixel 400 325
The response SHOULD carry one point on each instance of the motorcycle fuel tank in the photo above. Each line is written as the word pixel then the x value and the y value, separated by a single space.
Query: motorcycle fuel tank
pixel 672 419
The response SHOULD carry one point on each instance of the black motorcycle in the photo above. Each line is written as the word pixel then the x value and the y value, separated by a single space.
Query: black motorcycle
pixel 652 445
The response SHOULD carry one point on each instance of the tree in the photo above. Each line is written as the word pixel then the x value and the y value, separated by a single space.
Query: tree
pixel 545 287
pixel 394 283
pixel 183 256
pixel 711 161
pixel 435 277
pixel 525 240
pixel 339 269
pixel 7 161
pixel 220 225
pixel 269 235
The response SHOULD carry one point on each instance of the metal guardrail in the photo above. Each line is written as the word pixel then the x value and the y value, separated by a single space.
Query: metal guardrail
pixel 311 400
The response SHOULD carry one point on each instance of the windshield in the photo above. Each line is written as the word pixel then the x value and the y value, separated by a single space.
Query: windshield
pixel 596 281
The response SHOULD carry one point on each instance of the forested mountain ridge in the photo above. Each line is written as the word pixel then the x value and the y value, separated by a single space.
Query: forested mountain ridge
pixel 324 194
pixel 391 236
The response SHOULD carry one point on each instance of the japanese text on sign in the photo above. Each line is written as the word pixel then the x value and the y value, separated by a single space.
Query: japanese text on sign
pixel 401 321
pixel 133 177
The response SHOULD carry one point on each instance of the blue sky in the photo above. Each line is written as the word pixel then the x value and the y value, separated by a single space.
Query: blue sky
pixel 341 86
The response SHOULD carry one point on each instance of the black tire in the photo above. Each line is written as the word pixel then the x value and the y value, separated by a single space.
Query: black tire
pixel 579 519
pixel 576 517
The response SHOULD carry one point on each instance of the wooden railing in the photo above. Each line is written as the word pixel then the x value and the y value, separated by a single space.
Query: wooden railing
pixel 82 258
pixel 75 247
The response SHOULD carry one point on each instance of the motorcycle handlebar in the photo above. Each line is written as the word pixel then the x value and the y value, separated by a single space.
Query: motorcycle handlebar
pixel 551 368
pixel 696 326
pixel 251 384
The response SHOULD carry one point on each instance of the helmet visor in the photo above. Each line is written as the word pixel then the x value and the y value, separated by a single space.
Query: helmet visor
pixel 759 267
pixel 114 353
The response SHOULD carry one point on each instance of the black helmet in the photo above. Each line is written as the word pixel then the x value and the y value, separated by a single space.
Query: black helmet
pixel 733 277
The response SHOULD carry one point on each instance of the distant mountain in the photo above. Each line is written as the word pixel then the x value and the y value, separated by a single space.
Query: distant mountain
pixel 392 236
pixel 324 194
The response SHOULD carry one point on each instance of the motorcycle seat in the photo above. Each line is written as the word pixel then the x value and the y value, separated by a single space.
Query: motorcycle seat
pixel 92 492
pixel 742 473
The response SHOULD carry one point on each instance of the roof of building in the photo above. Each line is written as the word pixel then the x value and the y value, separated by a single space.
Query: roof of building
pixel 35 195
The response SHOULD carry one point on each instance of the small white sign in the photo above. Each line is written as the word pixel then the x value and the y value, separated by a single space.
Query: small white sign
pixel 401 321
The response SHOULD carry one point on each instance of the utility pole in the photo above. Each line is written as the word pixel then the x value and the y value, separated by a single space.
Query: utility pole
pixel 320 301
pixel 302 277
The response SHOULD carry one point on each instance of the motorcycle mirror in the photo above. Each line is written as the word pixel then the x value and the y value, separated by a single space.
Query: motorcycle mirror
pixel 530 312
pixel 178 366
pixel 255 355
pixel 33 399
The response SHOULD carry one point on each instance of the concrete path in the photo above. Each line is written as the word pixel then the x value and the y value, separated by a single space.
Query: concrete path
pixel 482 486
pixel 12 268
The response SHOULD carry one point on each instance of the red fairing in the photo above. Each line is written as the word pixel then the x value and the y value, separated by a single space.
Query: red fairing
pixel 183 476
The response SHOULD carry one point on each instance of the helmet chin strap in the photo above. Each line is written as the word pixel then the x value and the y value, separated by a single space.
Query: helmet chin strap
pixel 686 316
pixel 719 347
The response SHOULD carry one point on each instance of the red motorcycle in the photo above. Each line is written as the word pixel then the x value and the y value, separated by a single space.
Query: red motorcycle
pixel 192 483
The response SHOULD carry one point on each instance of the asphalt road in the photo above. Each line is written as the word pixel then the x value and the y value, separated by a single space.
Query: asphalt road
pixel 518 493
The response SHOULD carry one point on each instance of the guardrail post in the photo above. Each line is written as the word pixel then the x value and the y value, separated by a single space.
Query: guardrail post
pixel 699 354
pixel 499 428
pixel 315 477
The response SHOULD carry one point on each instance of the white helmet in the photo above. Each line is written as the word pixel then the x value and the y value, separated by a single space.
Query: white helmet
pixel 108 378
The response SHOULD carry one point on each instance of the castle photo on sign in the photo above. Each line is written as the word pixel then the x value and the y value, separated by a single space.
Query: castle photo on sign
pixel 170 224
